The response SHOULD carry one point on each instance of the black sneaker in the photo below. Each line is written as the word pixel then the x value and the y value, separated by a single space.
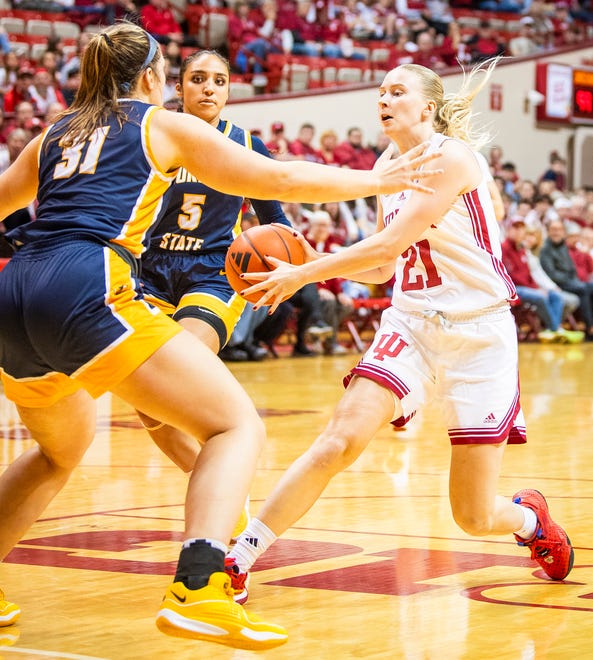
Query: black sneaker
pixel 233 354
pixel 302 351
pixel 254 353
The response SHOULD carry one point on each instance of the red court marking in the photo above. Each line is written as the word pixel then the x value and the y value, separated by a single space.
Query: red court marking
pixel 403 574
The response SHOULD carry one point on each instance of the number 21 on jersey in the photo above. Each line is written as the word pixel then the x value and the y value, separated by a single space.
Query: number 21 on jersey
pixel 418 257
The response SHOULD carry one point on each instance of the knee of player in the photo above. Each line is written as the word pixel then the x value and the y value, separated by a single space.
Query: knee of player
pixel 251 428
pixel 65 460
pixel 474 523
pixel 334 451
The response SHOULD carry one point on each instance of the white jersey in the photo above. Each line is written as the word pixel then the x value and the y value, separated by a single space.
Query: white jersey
pixel 455 266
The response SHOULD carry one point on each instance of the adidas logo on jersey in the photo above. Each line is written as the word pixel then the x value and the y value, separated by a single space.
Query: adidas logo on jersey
pixel 489 419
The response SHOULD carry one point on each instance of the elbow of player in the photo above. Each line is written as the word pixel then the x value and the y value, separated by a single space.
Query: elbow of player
pixel 385 253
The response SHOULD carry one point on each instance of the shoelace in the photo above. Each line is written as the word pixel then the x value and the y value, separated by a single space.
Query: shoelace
pixel 239 577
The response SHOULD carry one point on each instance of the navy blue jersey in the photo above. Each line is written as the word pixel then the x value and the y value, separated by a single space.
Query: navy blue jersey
pixel 73 182
pixel 200 219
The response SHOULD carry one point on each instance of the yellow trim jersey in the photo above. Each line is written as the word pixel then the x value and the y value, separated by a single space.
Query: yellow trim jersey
pixel 73 182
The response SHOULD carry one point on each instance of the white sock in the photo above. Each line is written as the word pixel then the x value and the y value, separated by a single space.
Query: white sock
pixel 213 542
pixel 252 543
pixel 529 523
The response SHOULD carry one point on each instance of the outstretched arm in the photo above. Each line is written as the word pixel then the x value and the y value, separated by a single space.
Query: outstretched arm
pixel 182 140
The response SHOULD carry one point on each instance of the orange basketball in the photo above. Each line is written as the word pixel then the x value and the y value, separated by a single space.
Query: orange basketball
pixel 246 254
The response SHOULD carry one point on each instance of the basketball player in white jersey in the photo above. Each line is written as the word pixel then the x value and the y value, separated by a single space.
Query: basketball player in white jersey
pixel 448 336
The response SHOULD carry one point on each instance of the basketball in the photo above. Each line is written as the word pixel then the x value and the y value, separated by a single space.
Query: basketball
pixel 246 254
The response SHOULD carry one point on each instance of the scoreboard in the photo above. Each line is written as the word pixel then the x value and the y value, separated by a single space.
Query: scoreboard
pixel 582 94
pixel 568 93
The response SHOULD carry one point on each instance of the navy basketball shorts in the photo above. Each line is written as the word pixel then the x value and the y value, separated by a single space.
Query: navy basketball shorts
pixel 71 317
pixel 185 285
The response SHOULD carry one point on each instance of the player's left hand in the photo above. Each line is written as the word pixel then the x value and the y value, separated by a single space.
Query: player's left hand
pixel 276 285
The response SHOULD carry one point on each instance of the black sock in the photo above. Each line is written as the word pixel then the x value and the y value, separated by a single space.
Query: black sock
pixel 196 564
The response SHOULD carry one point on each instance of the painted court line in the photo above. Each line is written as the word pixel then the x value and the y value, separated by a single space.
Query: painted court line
pixel 50 654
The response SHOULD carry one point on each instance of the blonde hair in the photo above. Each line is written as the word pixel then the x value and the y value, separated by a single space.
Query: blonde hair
pixel 328 133
pixel 453 116
pixel 110 68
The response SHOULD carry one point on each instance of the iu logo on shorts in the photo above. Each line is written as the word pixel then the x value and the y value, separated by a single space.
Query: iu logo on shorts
pixel 389 345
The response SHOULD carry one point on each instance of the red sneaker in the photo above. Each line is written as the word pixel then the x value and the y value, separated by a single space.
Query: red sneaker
pixel 239 581
pixel 550 546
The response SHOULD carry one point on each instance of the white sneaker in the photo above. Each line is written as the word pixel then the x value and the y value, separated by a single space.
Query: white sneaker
pixel 546 336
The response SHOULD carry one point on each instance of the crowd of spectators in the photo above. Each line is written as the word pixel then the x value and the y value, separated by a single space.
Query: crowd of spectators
pixel 430 32
pixel 547 233
pixel 436 33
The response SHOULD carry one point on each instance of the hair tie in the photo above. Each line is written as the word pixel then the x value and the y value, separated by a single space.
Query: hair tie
pixel 107 39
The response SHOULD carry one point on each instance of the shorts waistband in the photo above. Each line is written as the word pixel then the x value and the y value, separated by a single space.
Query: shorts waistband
pixel 462 317
pixel 47 245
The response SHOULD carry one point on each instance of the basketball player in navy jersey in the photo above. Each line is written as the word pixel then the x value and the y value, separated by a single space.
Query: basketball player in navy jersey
pixel 74 324
pixel 183 268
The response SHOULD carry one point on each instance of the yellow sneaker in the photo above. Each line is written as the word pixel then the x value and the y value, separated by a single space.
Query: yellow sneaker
pixel 9 612
pixel 570 336
pixel 241 523
pixel 210 614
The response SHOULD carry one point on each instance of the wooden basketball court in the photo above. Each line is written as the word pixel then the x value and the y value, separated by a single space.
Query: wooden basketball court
pixel 377 569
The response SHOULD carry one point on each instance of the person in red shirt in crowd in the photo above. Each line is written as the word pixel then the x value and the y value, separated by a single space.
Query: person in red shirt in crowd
pixel 315 32
pixel 44 91
pixel 428 54
pixel 582 258
pixel 562 23
pixel 332 30
pixel 453 47
pixel 286 15
pixel 305 31
pixel 351 153
pixel 302 148
pixel 549 305
pixel 253 36
pixel 403 48
pixel 159 21
pixel 335 304
pixel 278 146
pixel 342 222
pixel 485 43
pixel 20 90
pixel 24 117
